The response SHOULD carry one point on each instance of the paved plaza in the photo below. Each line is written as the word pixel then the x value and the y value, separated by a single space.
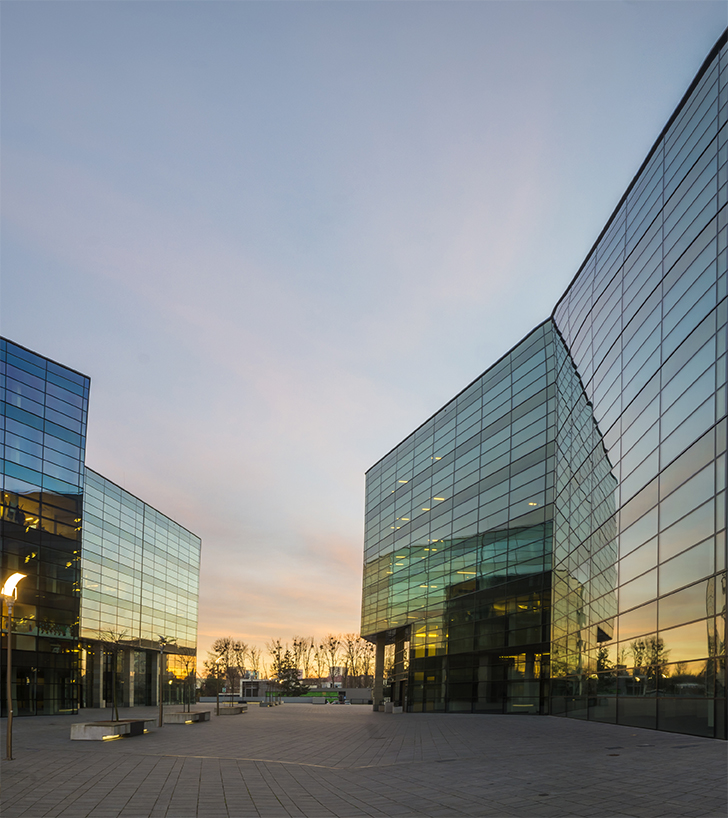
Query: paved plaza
pixel 303 760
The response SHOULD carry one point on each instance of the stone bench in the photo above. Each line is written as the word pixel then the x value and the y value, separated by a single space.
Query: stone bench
pixel 233 709
pixel 107 730
pixel 187 718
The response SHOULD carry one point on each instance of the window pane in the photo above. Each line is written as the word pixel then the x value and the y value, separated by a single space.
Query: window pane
pixel 684 606
pixel 689 566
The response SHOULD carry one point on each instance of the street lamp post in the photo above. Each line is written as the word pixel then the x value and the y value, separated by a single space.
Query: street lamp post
pixel 163 642
pixel 9 593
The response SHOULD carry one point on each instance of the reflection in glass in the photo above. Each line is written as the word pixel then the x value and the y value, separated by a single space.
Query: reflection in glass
pixel 612 400
pixel 684 606
pixel 638 590
pixel 688 642
pixel 638 621
pixel 688 567
pixel 687 679
pixel 639 561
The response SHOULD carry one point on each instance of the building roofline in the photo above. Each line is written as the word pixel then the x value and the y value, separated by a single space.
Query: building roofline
pixel 465 389
pixel 552 317
pixel 701 73
pixel 45 357
pixel 143 502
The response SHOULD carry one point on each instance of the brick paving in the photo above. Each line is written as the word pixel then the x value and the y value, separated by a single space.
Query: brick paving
pixel 347 762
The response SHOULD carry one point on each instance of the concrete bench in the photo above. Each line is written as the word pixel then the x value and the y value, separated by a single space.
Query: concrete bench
pixel 187 718
pixel 233 709
pixel 107 730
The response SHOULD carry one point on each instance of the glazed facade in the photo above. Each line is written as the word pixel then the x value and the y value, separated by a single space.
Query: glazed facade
pixel 106 575
pixel 458 548
pixel 553 540
pixel 44 409
pixel 140 579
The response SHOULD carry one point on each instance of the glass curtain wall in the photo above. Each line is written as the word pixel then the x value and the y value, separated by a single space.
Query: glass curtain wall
pixel 554 539
pixel 645 322
pixel 585 544
pixel 43 415
pixel 140 583
pixel 458 543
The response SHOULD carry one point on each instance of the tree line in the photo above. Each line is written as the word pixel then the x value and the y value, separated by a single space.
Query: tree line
pixel 304 662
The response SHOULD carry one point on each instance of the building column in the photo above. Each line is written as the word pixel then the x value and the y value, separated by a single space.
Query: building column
pixel 398 665
pixel 127 674
pixel 378 692
pixel 97 688
pixel 155 676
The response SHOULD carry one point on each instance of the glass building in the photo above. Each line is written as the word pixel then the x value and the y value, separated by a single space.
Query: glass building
pixel 44 407
pixel 106 575
pixel 553 539
pixel 140 581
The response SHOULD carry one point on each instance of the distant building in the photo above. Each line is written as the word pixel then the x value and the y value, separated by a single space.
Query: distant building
pixel 140 581
pixel 107 575
pixel 553 540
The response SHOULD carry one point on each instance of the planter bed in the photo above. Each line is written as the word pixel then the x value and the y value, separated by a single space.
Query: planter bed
pixel 187 718
pixel 233 709
pixel 106 730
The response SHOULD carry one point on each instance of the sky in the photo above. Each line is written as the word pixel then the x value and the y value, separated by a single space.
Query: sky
pixel 279 236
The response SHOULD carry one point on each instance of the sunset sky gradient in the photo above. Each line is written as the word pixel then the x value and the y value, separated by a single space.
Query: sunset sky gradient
pixel 279 236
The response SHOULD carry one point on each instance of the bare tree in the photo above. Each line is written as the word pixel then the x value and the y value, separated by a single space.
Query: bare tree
pixel 358 654
pixel 227 659
pixel 239 655
pixel 114 642
pixel 302 647
pixel 313 658
pixel 350 649
pixel 650 658
pixel 331 647
pixel 189 665
pixel 255 661
pixel 276 651
pixel 320 661
pixel 367 661
pixel 309 656
pixel 214 670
